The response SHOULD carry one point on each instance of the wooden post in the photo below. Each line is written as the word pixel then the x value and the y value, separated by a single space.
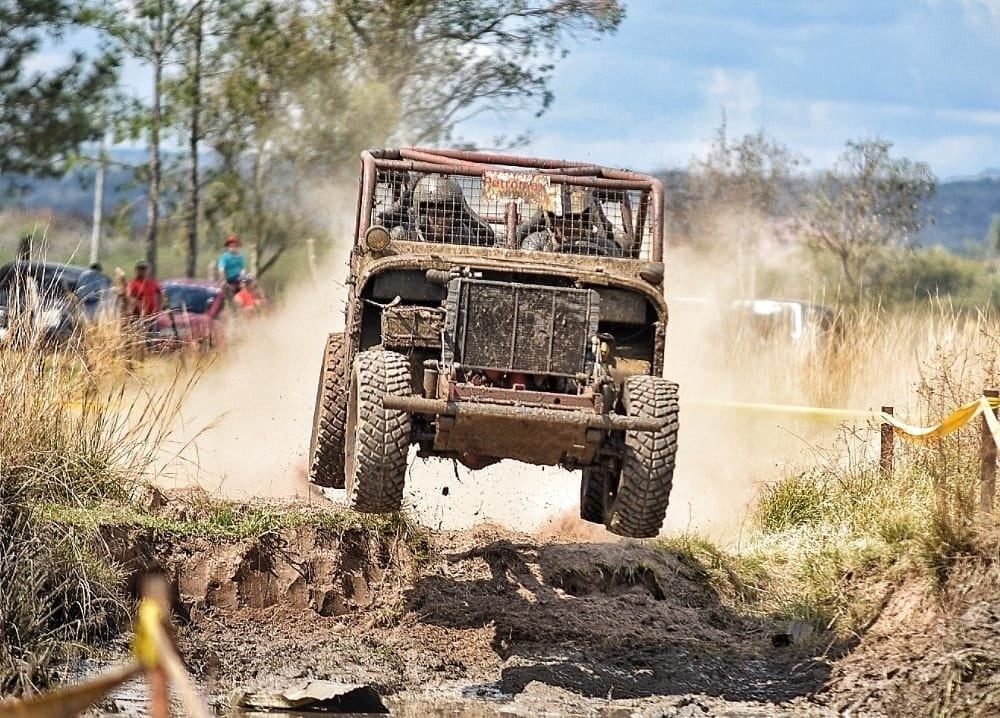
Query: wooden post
pixel 885 460
pixel 988 471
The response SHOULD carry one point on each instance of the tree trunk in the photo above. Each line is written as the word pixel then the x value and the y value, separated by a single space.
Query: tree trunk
pixel 191 260
pixel 258 212
pixel 153 210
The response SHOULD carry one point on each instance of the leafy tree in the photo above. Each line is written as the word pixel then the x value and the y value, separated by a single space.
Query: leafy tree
pixel 993 234
pixel 299 87
pixel 867 202
pixel 149 30
pixel 45 117
pixel 443 61
pixel 753 174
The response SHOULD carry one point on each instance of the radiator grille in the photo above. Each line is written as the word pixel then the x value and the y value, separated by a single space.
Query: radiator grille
pixel 520 327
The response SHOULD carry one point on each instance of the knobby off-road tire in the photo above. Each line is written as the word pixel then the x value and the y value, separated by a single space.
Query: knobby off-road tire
pixel 326 449
pixel 640 502
pixel 378 439
pixel 593 493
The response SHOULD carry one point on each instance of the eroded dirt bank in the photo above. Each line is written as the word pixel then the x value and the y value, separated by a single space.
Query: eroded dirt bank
pixel 499 621
pixel 484 613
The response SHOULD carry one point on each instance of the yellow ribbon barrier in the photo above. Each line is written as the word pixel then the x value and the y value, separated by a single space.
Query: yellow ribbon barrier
pixel 953 422
pixel 153 654
pixel 72 700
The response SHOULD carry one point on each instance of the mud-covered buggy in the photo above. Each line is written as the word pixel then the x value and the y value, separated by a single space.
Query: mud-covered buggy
pixel 502 307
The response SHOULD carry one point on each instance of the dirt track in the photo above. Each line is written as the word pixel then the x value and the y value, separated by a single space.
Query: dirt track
pixel 488 614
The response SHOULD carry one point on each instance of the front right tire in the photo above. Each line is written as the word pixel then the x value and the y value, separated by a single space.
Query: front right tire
pixel 377 439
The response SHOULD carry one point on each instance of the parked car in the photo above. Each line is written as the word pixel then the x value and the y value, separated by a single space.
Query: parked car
pixel 50 299
pixel 191 315
pixel 767 320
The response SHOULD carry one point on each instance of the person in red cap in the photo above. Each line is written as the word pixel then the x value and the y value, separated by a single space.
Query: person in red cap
pixel 232 264
pixel 145 299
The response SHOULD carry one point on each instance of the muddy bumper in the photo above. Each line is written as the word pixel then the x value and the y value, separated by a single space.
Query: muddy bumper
pixel 533 434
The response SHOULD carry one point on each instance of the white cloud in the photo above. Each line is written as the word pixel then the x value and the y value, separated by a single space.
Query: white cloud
pixel 735 91
pixel 981 14
pixel 987 118
pixel 953 154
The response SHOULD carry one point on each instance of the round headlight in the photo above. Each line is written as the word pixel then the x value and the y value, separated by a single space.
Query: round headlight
pixel 652 272
pixel 377 238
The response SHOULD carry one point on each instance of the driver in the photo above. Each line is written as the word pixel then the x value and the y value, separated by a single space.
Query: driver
pixel 443 216
pixel 585 229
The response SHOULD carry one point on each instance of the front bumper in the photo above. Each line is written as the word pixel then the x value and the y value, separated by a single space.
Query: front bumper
pixel 533 434
pixel 570 417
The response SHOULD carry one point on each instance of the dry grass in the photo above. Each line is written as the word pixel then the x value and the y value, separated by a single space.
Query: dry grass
pixel 827 541
pixel 70 437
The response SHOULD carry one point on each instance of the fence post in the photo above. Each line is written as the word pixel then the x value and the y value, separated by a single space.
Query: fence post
pixel 988 471
pixel 885 459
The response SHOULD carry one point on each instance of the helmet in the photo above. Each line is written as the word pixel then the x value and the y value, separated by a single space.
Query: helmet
pixel 233 241
pixel 437 189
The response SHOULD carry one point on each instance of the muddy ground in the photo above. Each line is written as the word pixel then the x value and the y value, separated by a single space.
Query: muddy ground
pixel 493 622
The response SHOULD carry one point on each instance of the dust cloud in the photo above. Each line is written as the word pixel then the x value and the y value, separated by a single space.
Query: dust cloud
pixel 244 429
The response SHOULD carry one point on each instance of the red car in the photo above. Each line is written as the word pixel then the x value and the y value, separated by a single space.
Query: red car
pixel 192 315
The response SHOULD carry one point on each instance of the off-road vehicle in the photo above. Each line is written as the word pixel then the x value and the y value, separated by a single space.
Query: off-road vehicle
pixel 502 307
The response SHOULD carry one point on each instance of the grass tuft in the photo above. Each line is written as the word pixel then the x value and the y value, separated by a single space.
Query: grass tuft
pixel 69 438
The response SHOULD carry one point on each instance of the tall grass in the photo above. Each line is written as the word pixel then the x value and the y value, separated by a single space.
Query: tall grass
pixel 70 436
pixel 820 537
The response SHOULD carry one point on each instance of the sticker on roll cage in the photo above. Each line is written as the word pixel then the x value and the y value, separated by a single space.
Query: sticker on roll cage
pixel 528 187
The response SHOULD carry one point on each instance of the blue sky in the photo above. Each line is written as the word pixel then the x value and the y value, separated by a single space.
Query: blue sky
pixel 924 74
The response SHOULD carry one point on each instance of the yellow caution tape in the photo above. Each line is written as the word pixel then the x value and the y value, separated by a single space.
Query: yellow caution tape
pixel 147 643
pixel 812 411
pixel 154 652
pixel 71 700
pixel 951 423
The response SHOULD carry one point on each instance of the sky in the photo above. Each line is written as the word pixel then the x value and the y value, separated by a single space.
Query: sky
pixel 923 74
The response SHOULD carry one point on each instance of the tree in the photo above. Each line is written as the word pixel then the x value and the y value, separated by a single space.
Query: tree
pixel 299 87
pixel 45 117
pixel 868 201
pixel 993 234
pixel 443 61
pixel 755 175
pixel 150 30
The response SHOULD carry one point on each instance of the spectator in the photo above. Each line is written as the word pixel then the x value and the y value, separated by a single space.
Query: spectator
pixel 250 299
pixel 232 265
pixel 145 297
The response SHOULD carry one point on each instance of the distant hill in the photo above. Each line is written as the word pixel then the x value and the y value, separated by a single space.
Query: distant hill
pixel 962 210
pixel 73 195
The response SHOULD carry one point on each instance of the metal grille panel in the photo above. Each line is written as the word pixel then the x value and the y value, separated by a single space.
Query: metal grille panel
pixel 520 327
pixel 457 209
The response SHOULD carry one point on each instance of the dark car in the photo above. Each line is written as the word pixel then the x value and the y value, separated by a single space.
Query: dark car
pixel 191 314
pixel 53 299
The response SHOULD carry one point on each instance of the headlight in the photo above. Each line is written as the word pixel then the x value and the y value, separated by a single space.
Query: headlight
pixel 377 238
pixel 652 272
